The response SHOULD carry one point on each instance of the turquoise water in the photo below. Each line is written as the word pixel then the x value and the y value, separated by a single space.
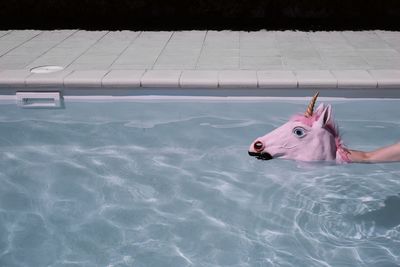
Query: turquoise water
pixel 171 184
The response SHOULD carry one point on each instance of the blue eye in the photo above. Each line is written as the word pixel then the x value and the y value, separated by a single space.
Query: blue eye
pixel 299 132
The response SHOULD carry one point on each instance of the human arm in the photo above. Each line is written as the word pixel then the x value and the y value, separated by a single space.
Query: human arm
pixel 386 154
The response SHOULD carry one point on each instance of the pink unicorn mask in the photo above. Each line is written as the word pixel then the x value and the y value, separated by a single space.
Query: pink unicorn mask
pixel 313 136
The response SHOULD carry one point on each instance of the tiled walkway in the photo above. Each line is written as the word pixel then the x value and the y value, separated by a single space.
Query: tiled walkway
pixel 202 58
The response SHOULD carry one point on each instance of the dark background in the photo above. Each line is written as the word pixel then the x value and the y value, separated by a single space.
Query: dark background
pixel 200 14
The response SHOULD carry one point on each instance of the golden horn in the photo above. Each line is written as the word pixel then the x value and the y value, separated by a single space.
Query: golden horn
pixel 310 108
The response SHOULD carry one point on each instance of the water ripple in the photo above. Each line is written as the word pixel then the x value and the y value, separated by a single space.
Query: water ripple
pixel 175 187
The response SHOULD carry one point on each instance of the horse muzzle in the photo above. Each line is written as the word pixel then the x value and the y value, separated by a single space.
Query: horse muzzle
pixel 261 155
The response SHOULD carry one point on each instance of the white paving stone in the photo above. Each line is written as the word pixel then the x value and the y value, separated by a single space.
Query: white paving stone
pixel 234 78
pixel 300 62
pixel 85 78
pixel 258 52
pixel 123 78
pixel 2 33
pixel 315 78
pixel 348 62
pixel 14 39
pixel 69 49
pixel 276 79
pixel 14 62
pixel 199 79
pixel 55 79
pixel 161 78
pixel 259 63
pixel 13 78
pixel 218 63
pixel 354 79
pixel 387 78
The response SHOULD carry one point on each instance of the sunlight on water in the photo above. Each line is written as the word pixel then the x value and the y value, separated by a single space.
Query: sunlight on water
pixel 171 184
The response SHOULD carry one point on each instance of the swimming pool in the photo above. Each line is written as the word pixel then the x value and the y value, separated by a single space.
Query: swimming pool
pixel 170 183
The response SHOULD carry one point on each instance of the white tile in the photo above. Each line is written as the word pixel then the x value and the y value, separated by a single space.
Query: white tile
pixel 21 60
pixel 218 62
pixel 237 78
pixel 174 67
pixel 354 79
pixel 123 78
pixel 13 78
pixel 387 78
pixel 131 66
pixel 2 33
pixel 219 52
pixel 85 78
pixel 179 52
pixel 260 63
pixel 348 62
pixel 260 52
pixel 55 79
pixel 384 62
pixel 143 59
pixel 373 53
pixel 174 60
pixel 199 79
pixel 276 79
pixel 62 61
pixel 315 78
pixel 161 78
pixel 304 53
pixel 15 39
pixel 218 67
pixel 337 52
pixel 293 63
pixel 88 66
pixel 95 59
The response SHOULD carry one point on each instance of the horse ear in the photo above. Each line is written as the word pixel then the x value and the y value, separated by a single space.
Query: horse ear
pixel 325 115
pixel 319 109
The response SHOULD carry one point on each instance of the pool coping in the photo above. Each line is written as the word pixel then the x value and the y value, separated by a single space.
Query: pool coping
pixel 207 79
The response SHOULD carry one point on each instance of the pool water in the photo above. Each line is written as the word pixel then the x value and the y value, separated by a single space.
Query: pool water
pixel 170 183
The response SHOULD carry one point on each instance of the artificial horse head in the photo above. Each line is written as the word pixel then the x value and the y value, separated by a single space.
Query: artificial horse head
pixel 312 136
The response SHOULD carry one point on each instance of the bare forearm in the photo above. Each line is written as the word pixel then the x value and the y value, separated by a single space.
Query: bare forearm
pixel 386 154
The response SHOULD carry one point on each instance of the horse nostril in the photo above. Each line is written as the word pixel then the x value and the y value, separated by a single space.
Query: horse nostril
pixel 258 146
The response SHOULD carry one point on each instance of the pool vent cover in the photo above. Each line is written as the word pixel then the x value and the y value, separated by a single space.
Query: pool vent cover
pixel 38 99
pixel 46 69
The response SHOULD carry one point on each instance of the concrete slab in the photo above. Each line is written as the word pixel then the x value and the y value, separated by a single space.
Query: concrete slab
pixel 123 78
pixel 13 78
pixel 259 52
pixel 14 39
pixel 315 78
pixel 199 79
pixel 276 79
pixel 161 78
pixel 354 79
pixel 260 63
pixel 346 62
pixel 242 79
pixel 85 78
pixel 387 78
pixel 55 79
pixel 218 63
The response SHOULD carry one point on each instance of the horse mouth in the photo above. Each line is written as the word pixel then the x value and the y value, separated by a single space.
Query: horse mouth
pixel 263 155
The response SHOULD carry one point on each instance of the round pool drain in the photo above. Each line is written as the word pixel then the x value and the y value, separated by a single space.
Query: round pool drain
pixel 46 69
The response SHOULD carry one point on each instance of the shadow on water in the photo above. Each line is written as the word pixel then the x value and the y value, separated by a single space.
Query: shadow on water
pixel 386 216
